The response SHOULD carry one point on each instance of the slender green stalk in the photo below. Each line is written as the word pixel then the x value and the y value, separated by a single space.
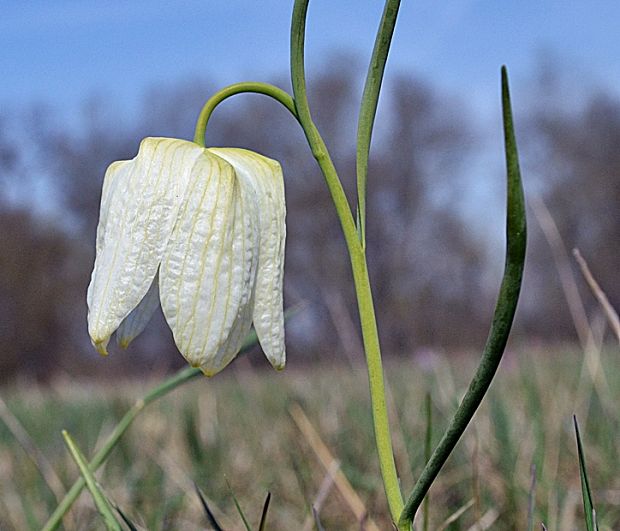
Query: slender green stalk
pixel 358 263
pixel 103 505
pixel 238 88
pixel 502 318
pixel 368 110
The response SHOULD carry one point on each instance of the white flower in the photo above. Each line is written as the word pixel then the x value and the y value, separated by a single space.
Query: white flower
pixel 202 231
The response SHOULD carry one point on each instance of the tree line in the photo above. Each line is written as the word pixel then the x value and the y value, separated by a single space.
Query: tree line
pixel 435 273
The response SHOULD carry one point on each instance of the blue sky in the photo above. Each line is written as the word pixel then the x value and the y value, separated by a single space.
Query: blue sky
pixel 64 50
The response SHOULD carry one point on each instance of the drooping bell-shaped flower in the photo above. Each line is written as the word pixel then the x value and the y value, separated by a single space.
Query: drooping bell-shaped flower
pixel 201 231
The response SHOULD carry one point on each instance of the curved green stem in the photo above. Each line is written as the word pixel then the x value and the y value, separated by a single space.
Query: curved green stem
pixel 368 110
pixel 358 263
pixel 502 318
pixel 238 88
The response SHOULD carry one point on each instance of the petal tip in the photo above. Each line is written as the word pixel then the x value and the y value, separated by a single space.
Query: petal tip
pixel 101 345
pixel 123 342
pixel 278 363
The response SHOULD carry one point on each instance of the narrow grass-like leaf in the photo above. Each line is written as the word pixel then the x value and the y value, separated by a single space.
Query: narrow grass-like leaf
pixel 263 516
pixel 103 505
pixel 503 316
pixel 126 519
pixel 588 504
pixel 368 110
pixel 238 506
pixel 210 517
pixel 531 500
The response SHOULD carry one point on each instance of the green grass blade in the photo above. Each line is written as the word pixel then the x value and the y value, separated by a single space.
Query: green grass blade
pixel 503 316
pixel 263 517
pixel 103 505
pixel 368 110
pixel 531 500
pixel 238 506
pixel 210 517
pixel 588 504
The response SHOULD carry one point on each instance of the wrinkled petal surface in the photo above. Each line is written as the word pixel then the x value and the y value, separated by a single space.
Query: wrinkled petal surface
pixel 140 204
pixel 209 269
pixel 263 178
pixel 134 324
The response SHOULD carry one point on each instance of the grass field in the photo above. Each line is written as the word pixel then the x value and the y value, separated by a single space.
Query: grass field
pixel 251 433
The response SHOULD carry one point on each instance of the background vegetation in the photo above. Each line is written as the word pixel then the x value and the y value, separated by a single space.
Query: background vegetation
pixel 434 238
pixel 256 434
pixel 434 232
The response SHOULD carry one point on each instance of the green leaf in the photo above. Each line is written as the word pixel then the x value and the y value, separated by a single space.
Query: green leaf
pixel 503 316
pixel 588 504
pixel 368 109
pixel 103 505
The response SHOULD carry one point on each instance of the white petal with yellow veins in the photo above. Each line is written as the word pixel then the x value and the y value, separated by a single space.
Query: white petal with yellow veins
pixel 207 273
pixel 140 205
pixel 133 325
pixel 264 177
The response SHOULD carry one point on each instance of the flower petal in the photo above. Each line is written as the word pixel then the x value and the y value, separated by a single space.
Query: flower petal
pixel 133 325
pixel 207 275
pixel 264 177
pixel 140 204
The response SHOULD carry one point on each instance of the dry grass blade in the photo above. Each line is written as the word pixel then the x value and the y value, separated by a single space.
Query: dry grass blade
pixel 317 522
pixel 456 515
pixel 32 451
pixel 585 332
pixel 326 486
pixel 486 522
pixel 326 458
pixel 562 263
pixel 610 312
